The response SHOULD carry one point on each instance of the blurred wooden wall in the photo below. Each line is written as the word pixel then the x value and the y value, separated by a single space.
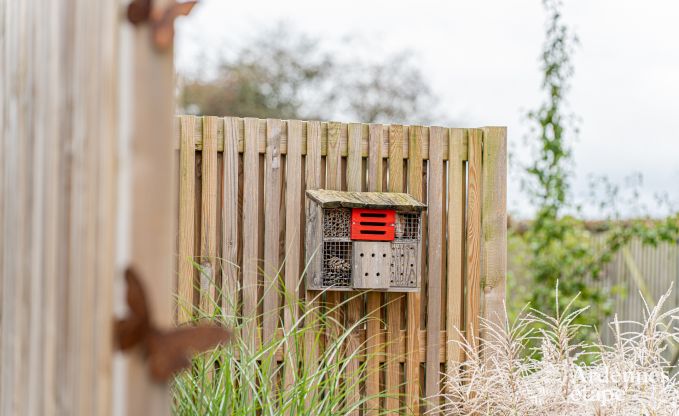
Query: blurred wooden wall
pixel 60 152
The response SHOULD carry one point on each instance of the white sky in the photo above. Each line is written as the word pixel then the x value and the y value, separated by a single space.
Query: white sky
pixel 481 58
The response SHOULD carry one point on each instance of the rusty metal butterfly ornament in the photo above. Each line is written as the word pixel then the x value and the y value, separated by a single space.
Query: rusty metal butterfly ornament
pixel 166 351
pixel 161 20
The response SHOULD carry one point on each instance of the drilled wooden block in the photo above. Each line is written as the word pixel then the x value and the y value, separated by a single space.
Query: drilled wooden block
pixel 405 265
pixel 371 266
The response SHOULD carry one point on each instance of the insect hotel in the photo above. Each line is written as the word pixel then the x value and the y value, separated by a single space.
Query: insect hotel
pixel 363 240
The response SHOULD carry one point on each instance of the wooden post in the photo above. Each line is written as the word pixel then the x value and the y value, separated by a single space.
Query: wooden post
pixel 59 127
pixel 151 235
pixel 494 223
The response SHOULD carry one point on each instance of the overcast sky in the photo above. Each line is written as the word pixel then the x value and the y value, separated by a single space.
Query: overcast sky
pixel 481 58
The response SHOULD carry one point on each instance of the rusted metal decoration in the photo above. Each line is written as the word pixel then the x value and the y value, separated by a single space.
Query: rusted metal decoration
pixel 166 351
pixel 162 21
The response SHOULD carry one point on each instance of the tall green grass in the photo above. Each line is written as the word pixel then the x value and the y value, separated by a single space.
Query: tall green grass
pixel 238 380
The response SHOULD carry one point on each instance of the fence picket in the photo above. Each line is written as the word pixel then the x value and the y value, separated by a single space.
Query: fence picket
pixel 250 239
pixel 293 231
pixel 456 233
pixel 494 223
pixel 187 186
pixel 230 220
pixel 272 202
pixel 374 299
pixel 412 359
pixel 473 235
pixel 436 209
pixel 312 337
pixel 333 181
pixel 208 224
pixel 394 300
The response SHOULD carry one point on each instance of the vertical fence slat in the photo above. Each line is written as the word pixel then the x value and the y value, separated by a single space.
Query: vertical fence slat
pixel 230 220
pixel 208 223
pixel 412 359
pixel 272 202
pixel 435 207
pixel 473 235
pixel 333 181
pixel 250 238
pixel 187 177
pixel 456 233
pixel 293 231
pixel 372 377
pixel 312 318
pixel 494 223
pixel 355 301
pixel 394 300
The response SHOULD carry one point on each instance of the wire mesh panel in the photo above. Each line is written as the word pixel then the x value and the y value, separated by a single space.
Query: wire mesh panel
pixel 407 226
pixel 336 223
pixel 336 267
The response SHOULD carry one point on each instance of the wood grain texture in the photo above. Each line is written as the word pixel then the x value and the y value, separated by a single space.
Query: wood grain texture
pixel 373 299
pixel 251 238
pixel 272 204
pixel 394 301
pixel 312 336
pixel 355 301
pixel 412 362
pixel 494 223
pixel 333 181
pixel 474 185
pixel 208 223
pixel 293 231
pixel 456 249
pixel 342 144
pixel 151 241
pixel 187 189
pixel 230 221
pixel 436 211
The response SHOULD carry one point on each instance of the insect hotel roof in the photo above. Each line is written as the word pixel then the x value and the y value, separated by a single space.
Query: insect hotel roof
pixel 374 200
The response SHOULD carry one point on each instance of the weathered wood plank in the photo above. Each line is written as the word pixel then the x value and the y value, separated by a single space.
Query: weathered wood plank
pixel 394 300
pixel 494 223
pixel 412 361
pixel 373 299
pixel 230 221
pixel 435 258
pixel 474 196
pixel 187 185
pixel 151 241
pixel 356 199
pixel 455 255
pixel 333 181
pixel 208 223
pixel 355 301
pixel 343 140
pixel 250 238
pixel 312 320
pixel 293 231
pixel 272 203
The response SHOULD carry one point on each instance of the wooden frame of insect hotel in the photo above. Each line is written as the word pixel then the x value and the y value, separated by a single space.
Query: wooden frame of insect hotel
pixel 363 240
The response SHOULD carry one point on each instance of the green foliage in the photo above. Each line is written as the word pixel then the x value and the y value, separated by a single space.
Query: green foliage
pixel 240 380
pixel 557 248
pixel 281 73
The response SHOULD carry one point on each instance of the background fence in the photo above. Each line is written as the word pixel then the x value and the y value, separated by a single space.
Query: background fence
pixel 636 270
pixel 241 216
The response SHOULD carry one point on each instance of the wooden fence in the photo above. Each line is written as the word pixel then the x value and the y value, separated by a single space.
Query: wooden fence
pixel 241 216
pixel 636 270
